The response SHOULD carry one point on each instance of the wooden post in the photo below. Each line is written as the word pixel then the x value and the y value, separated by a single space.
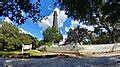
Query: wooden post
pixel 30 46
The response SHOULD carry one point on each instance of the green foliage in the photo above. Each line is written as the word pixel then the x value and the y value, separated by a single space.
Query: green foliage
pixel 77 35
pixel 12 39
pixel 74 9
pixel 94 12
pixel 52 35
pixel 35 42
pixel 102 38
pixel 41 43
pixel 48 44
pixel 25 38
pixel 14 10
pixel 87 37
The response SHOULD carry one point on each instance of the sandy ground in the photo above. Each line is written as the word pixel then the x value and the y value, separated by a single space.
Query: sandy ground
pixel 80 55
pixel 108 54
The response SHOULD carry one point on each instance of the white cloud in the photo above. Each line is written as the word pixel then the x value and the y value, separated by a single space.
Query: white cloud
pixel 61 31
pixel 22 12
pixel 73 25
pixel 50 7
pixel 41 31
pixel 44 23
pixel 76 23
pixel 48 21
pixel 40 39
pixel 8 20
pixel 90 28
pixel 61 18
pixel 67 29
pixel 64 36
pixel 104 30
pixel 21 30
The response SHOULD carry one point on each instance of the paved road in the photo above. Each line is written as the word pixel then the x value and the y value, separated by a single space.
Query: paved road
pixel 2 62
pixel 62 62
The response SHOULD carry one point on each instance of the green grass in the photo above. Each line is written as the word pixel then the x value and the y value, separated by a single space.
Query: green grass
pixel 17 53
pixel 34 52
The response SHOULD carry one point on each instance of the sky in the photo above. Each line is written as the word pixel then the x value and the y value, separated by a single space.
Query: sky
pixel 47 9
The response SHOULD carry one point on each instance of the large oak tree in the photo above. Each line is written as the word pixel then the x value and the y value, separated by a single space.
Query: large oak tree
pixel 99 13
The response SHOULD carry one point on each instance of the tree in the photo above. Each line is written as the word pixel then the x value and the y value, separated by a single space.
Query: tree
pixel 26 39
pixel 9 30
pixel 12 39
pixel 14 9
pixel 52 35
pixel 94 12
pixel 9 37
pixel 35 42
pixel 102 38
pixel 41 42
pixel 77 35
pixel 3 41
pixel 12 44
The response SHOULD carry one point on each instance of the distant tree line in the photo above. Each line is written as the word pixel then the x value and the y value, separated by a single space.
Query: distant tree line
pixel 79 34
pixel 12 39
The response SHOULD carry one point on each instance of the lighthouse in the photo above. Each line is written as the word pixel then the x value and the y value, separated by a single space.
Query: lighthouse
pixel 55 22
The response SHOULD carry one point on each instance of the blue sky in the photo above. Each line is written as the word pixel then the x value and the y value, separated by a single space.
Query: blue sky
pixel 47 9
pixel 35 29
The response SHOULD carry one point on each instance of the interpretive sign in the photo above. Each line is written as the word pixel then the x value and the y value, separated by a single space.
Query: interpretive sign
pixel 26 47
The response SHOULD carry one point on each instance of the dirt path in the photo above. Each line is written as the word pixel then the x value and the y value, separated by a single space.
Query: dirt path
pixel 80 55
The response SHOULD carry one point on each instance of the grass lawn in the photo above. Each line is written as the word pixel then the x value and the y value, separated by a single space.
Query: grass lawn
pixel 17 53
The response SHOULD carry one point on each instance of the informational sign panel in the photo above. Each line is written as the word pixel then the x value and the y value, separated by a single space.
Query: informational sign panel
pixel 26 47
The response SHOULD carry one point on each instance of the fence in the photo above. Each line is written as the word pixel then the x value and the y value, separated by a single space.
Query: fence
pixel 86 48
